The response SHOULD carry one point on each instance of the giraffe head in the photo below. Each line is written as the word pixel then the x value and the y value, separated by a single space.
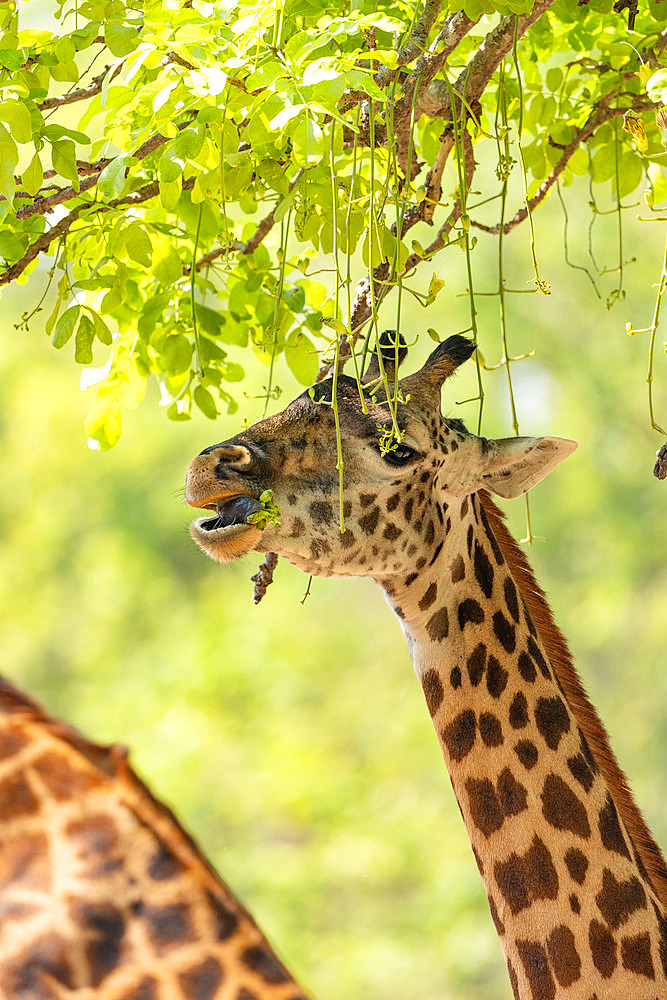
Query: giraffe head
pixel 392 500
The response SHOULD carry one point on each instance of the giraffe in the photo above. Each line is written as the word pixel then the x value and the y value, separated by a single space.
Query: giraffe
pixel 577 887
pixel 103 896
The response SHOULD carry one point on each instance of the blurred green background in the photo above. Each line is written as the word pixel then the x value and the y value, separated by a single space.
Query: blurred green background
pixel 292 739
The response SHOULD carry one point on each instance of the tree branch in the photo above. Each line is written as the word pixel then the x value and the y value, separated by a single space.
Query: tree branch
pixel 473 80
pixel 417 43
pixel 42 206
pixel 602 115
pixel 81 94
pixel 62 227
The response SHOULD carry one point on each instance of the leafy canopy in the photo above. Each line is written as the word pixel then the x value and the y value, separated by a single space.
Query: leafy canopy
pixel 185 167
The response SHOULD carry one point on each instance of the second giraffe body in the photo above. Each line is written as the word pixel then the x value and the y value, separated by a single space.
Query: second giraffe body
pixel 576 885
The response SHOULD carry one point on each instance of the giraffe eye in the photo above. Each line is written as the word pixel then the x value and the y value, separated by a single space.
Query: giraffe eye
pixel 400 455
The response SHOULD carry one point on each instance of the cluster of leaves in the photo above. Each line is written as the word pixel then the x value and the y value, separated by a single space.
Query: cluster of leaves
pixel 269 514
pixel 318 119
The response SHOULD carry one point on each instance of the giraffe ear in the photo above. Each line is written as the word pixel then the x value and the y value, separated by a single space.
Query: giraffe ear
pixel 512 466
pixel 391 356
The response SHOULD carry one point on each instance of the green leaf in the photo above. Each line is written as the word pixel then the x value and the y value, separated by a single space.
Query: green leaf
pixel 65 72
pixel 176 354
pixel 102 331
pixel 83 342
pixel 205 402
pixel 11 247
pixel 65 326
pixel 16 115
pixel 9 157
pixel 103 421
pixel 32 176
pixel 307 142
pixel 112 179
pixel 121 39
pixel 167 266
pixel 231 372
pixel 188 144
pixel 63 157
pixel 170 192
pixel 302 359
pixel 138 244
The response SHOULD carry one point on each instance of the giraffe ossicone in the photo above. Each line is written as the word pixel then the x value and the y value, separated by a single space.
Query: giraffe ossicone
pixel 577 886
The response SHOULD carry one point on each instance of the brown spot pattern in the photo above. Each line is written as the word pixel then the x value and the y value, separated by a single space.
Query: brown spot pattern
pixel 490 729
pixel 610 829
pixel 459 735
pixel 577 864
pixel 458 569
pixel 483 570
pixel 618 899
pixel 438 625
pixel 265 964
pixel 536 966
pixel 476 664
pixel 581 771
pixel 202 980
pixel 369 522
pixel 564 957
pixel 433 691
pixel 562 809
pixel 429 597
pixel 526 751
pixel 169 925
pixel 603 949
pixel 636 955
pixel 524 878
pixel 16 799
pixel 519 711
pixel 536 654
pixel 552 719
pixel 470 611
pixel 513 796
pixel 504 632
pixel 485 808
pixel 496 678
pixel 527 668
pixel 511 599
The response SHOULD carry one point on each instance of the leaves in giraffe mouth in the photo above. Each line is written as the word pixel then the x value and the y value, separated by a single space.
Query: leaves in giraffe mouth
pixel 231 510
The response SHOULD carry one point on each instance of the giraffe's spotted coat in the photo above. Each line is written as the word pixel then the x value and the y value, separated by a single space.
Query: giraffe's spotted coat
pixel 132 911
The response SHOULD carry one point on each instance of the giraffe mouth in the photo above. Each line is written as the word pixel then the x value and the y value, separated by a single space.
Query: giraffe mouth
pixel 227 535
pixel 231 512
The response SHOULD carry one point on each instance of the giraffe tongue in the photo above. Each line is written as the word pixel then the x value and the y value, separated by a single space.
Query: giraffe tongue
pixel 232 510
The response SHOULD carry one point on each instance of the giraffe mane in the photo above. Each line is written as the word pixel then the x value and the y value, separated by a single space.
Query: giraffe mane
pixel 584 711
pixel 113 765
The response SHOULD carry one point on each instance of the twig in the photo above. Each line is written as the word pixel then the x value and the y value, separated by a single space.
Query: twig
pixel 264 576
pixel 80 94
pixel 262 231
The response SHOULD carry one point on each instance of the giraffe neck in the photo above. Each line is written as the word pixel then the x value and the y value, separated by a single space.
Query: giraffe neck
pixel 102 894
pixel 562 850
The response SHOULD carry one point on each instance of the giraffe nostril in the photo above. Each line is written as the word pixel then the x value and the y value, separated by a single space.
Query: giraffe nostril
pixel 230 454
pixel 236 455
